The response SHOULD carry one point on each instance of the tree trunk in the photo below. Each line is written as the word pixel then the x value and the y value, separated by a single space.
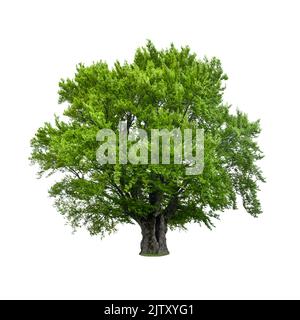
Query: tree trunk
pixel 154 241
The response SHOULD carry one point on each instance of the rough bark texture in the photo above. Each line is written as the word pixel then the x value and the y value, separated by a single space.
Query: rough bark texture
pixel 154 241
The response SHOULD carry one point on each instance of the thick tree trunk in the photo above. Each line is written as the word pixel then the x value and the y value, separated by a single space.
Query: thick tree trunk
pixel 154 241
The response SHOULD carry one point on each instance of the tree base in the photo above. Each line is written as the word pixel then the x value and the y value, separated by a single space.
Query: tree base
pixel 154 254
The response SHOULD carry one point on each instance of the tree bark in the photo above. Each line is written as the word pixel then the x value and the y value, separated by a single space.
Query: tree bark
pixel 154 242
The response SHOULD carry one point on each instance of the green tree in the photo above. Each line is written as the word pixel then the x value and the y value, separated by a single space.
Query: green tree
pixel 160 89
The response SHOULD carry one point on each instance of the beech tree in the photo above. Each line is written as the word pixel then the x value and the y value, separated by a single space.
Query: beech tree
pixel 169 88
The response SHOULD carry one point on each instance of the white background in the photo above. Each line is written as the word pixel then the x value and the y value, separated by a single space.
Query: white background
pixel 258 44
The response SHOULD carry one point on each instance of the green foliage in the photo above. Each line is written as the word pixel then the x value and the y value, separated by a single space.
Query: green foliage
pixel 161 89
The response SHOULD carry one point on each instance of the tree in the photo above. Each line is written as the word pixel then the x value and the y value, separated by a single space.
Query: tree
pixel 168 88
